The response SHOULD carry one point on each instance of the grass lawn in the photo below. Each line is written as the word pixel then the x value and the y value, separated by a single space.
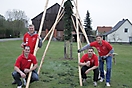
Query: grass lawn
pixel 57 72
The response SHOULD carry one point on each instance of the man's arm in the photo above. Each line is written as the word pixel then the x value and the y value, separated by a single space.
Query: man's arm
pixel 84 48
pixel 110 53
pixel 23 75
pixel 85 63
pixel 92 68
pixel 34 67
pixel 29 70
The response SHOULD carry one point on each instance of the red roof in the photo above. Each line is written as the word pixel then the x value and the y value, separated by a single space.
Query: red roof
pixel 103 29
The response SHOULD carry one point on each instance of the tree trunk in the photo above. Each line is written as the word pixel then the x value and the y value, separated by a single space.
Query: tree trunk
pixel 67 49
pixel 65 56
pixel 71 49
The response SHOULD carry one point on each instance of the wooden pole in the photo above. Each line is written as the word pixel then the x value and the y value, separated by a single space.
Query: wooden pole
pixel 35 50
pixel 76 32
pixel 60 16
pixel 83 30
pixel 79 68
pixel 42 60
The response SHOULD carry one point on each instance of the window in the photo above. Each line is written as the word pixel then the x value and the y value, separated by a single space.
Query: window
pixel 126 30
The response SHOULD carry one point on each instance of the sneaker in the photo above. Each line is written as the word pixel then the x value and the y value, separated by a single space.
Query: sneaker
pixel 24 82
pixel 95 84
pixel 84 80
pixel 107 84
pixel 101 79
pixel 19 86
pixel 14 82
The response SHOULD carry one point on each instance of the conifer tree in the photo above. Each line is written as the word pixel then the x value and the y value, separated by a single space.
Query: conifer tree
pixel 87 24
pixel 68 29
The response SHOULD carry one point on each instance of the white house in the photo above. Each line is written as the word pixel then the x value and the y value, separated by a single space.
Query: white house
pixel 121 32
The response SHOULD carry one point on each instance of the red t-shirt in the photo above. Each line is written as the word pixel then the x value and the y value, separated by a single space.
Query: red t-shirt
pixel 23 63
pixel 93 60
pixel 103 49
pixel 30 41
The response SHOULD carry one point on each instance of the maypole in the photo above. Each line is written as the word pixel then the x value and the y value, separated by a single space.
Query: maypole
pixel 36 46
pixel 79 68
pixel 83 30
pixel 53 28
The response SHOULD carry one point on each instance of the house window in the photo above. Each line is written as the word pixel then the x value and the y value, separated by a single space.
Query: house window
pixel 126 30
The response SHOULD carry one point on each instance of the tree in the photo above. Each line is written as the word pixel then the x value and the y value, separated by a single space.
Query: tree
pixel 87 24
pixel 2 21
pixel 2 26
pixel 17 22
pixel 68 28
pixel 16 15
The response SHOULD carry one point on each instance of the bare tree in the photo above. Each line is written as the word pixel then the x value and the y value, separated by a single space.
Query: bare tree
pixel 17 21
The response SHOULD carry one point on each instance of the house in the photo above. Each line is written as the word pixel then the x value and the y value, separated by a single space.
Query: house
pixel 121 32
pixel 103 29
pixel 50 18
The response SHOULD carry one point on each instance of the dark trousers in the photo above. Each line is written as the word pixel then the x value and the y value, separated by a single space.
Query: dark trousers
pixel 95 76
pixel 17 77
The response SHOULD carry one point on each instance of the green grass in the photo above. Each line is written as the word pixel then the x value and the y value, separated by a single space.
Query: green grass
pixel 56 72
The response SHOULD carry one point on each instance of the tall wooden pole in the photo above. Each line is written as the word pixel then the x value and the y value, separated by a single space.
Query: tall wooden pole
pixel 60 16
pixel 42 60
pixel 83 30
pixel 79 68
pixel 35 50
pixel 76 32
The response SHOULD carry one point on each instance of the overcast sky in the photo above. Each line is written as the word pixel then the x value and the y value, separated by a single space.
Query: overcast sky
pixel 102 12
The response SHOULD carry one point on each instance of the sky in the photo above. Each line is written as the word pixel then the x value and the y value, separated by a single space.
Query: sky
pixel 102 12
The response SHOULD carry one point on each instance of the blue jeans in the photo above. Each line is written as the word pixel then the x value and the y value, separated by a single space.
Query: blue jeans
pixel 109 66
pixel 17 77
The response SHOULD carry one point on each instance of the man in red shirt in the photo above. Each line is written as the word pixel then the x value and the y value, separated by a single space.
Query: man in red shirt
pixel 22 67
pixel 89 62
pixel 105 52
pixel 30 39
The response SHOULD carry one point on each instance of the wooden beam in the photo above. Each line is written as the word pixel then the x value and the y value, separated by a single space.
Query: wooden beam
pixel 60 16
pixel 54 25
pixel 79 68
pixel 35 50
pixel 76 32
pixel 79 18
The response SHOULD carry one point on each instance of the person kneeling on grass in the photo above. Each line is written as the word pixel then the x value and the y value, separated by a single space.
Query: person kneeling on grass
pixel 22 67
pixel 89 62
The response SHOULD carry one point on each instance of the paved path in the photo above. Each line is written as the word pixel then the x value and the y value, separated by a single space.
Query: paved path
pixel 9 39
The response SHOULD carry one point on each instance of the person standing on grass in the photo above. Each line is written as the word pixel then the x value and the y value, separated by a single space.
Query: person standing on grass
pixel 105 52
pixel 30 39
pixel 22 67
pixel 89 62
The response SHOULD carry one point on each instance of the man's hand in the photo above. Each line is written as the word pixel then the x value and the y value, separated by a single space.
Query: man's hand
pixel 87 71
pixel 23 44
pixel 26 70
pixel 104 57
pixel 23 75
pixel 79 51
pixel 88 63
